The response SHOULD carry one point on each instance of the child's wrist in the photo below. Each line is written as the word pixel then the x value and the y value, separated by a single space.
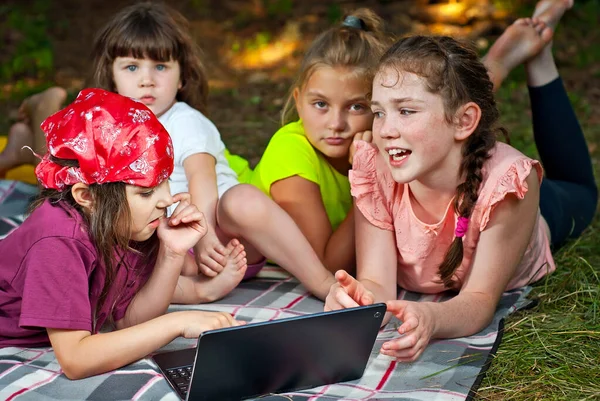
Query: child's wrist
pixel 209 236
pixel 166 252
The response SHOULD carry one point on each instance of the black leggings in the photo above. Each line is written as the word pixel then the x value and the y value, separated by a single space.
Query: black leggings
pixel 568 195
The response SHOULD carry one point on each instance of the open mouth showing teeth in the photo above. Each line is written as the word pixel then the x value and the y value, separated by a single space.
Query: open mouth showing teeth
pixel 399 154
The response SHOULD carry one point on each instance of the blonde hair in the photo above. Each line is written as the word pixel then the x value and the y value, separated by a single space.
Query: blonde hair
pixel 160 33
pixel 357 45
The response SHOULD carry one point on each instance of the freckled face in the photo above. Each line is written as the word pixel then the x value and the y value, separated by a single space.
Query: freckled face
pixel 410 128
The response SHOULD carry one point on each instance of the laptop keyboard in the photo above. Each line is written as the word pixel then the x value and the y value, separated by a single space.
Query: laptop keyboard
pixel 181 377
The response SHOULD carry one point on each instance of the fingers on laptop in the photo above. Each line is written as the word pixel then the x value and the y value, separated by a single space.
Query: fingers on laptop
pixel 197 322
pixel 416 331
pixel 354 288
pixel 338 298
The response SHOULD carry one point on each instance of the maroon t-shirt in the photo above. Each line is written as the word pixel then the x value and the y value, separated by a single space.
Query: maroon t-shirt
pixel 51 276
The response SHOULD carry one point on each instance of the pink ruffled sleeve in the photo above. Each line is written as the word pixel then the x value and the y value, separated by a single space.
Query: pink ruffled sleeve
pixel 369 187
pixel 513 181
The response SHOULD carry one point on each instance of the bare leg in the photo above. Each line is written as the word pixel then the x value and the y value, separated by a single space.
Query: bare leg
pixel 568 193
pixel 542 68
pixel 245 212
pixel 33 111
pixel 551 11
pixel 519 43
pixel 39 107
pixel 14 155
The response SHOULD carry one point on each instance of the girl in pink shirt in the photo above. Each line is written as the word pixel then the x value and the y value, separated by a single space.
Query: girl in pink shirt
pixel 441 205
pixel 97 247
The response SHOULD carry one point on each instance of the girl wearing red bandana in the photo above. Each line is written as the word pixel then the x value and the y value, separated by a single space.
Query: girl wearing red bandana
pixel 440 205
pixel 146 53
pixel 97 248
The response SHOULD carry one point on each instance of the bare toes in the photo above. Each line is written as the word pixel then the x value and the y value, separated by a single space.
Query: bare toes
pixel 546 34
pixel 239 257
pixel 231 245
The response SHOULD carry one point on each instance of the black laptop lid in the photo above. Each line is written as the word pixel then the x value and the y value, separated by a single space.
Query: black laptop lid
pixel 285 355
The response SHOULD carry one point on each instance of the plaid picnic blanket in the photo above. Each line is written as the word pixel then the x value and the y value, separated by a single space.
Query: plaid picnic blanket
pixel 14 199
pixel 447 370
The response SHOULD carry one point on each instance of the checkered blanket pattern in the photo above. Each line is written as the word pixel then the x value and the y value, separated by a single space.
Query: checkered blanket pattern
pixel 447 370
pixel 14 198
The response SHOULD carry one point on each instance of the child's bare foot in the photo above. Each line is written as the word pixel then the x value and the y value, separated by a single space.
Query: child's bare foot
pixel 14 155
pixel 217 287
pixel 519 43
pixel 541 69
pixel 551 11
pixel 37 108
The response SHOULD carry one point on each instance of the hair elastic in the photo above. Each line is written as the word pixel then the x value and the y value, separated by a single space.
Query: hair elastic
pixel 354 22
pixel 461 227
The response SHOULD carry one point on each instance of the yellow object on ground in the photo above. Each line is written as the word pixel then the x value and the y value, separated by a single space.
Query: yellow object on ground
pixel 23 173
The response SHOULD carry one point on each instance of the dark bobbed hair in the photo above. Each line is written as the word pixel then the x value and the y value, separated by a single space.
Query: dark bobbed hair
pixel 158 32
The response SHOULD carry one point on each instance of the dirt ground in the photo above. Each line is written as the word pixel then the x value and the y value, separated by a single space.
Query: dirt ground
pixel 245 101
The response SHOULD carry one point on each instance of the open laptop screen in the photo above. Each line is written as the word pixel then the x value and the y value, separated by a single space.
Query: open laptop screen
pixel 280 355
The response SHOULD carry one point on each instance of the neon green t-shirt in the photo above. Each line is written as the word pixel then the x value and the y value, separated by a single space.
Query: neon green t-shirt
pixel 240 166
pixel 289 153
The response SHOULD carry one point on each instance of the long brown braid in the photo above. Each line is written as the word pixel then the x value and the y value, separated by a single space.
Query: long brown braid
pixel 453 71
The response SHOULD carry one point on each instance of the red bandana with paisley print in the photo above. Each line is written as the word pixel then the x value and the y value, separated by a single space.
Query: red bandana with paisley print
pixel 113 138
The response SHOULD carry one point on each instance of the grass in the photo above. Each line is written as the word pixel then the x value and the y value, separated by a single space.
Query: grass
pixel 553 351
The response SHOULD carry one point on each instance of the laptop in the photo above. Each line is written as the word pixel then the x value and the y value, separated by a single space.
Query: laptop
pixel 276 356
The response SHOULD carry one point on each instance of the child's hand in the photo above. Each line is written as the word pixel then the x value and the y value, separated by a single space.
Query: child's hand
pixel 186 226
pixel 347 292
pixel 211 255
pixel 359 136
pixel 416 330
pixel 194 323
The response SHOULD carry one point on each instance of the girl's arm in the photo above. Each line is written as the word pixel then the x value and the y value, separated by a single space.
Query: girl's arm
pixel 301 199
pixel 499 251
pixel 202 182
pixel 177 235
pixel 377 267
pixel 198 289
pixel 154 297
pixel 377 259
pixel 81 354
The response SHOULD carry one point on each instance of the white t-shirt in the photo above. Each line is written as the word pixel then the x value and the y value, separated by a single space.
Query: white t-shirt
pixel 192 133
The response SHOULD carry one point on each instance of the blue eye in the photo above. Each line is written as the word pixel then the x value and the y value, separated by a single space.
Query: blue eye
pixel 131 68
pixel 161 67
pixel 377 114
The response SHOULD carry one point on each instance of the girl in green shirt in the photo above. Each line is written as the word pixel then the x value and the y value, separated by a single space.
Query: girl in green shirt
pixel 305 166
